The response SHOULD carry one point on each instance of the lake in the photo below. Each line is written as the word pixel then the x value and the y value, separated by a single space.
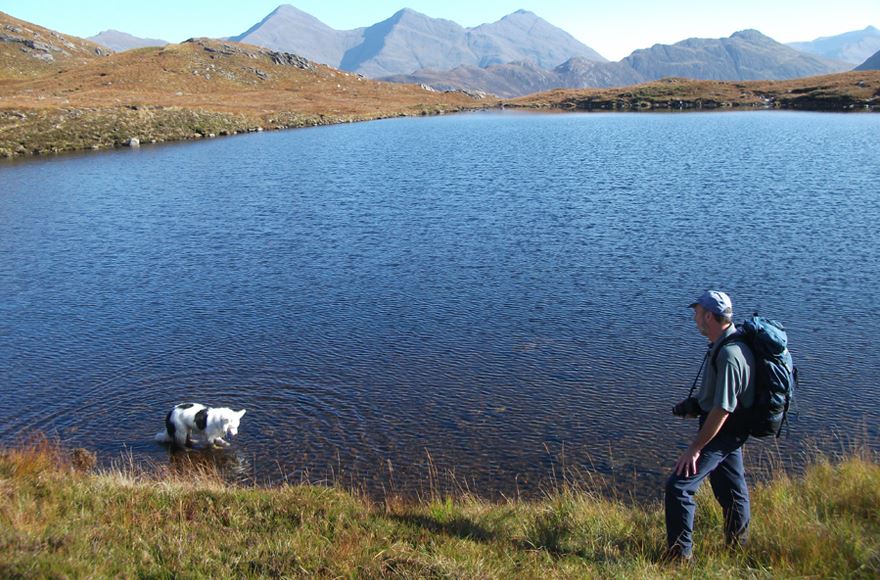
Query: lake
pixel 497 296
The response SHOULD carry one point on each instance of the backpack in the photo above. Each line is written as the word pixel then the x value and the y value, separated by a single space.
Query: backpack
pixel 775 376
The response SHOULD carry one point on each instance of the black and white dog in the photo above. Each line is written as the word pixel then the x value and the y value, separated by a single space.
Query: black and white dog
pixel 192 418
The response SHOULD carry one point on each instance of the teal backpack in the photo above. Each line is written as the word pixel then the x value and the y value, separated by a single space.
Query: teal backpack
pixel 775 376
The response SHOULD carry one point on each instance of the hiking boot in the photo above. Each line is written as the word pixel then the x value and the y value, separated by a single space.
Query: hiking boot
pixel 673 556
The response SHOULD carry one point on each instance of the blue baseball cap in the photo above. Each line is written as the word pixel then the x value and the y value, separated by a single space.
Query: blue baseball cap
pixel 715 302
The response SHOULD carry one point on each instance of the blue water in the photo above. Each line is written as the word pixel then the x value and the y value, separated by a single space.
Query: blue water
pixel 502 296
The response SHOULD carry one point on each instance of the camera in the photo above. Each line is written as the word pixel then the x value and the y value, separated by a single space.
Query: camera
pixel 690 407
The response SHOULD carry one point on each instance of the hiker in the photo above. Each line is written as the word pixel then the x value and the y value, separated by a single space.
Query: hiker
pixel 716 451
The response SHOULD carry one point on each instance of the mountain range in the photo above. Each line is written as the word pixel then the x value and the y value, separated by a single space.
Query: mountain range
pixel 409 41
pixel 853 47
pixel 522 53
pixel 745 55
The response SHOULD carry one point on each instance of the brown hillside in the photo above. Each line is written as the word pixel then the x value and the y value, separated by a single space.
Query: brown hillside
pixel 29 51
pixel 199 88
pixel 222 77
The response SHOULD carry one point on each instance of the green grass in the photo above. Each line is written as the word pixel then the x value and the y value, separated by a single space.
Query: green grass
pixel 56 521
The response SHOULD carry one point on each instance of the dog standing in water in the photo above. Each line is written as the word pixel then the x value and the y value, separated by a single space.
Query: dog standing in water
pixel 188 418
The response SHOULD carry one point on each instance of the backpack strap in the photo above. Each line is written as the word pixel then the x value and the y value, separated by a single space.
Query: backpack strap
pixel 735 337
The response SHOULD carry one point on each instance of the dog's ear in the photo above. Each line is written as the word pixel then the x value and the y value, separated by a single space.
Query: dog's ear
pixel 241 413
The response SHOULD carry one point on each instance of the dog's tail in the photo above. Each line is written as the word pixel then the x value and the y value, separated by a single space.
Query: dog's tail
pixel 166 436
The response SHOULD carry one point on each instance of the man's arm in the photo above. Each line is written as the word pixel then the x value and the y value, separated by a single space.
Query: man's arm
pixel 687 463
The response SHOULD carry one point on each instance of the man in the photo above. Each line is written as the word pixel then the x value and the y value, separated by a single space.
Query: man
pixel 716 452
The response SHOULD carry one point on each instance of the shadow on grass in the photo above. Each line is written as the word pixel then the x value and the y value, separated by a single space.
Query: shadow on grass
pixel 457 527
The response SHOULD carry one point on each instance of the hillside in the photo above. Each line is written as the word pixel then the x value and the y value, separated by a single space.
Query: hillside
pixel 29 51
pixel 195 89
pixel 854 91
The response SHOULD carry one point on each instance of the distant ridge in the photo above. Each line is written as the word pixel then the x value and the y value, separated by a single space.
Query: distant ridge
pixel 409 41
pixel 853 47
pixel 122 41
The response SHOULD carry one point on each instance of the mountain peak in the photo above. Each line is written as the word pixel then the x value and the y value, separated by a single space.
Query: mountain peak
pixel 408 14
pixel 285 9
pixel 750 34
pixel 521 13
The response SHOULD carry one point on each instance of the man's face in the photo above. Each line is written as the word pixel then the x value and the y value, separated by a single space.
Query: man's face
pixel 701 319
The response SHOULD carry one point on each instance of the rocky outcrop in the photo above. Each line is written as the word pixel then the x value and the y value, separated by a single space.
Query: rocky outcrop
pixel 47 45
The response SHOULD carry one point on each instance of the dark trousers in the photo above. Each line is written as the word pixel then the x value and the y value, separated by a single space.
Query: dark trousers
pixel 721 460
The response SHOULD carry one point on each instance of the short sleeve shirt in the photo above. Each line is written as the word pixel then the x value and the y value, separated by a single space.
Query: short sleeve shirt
pixel 730 384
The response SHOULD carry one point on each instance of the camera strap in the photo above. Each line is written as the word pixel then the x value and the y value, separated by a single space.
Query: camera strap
pixel 699 372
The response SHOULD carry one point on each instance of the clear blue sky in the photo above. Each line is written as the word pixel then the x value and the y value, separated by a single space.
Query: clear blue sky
pixel 614 29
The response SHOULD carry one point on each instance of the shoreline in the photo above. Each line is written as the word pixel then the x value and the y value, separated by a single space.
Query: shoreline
pixel 42 138
pixel 51 132
pixel 843 92
pixel 61 517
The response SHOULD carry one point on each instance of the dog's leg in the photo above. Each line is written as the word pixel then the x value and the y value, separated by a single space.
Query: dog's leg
pixel 189 442
pixel 181 437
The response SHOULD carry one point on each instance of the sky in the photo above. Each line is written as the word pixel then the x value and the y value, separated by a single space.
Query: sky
pixel 614 29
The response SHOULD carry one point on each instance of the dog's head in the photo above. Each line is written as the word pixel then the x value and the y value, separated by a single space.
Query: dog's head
pixel 231 421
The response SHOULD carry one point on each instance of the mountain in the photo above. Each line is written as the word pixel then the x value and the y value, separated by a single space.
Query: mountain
pixel 409 41
pixel 873 63
pixel 516 79
pixel 746 55
pixel 32 50
pixel 853 47
pixel 122 41
pixel 524 36
pixel 289 29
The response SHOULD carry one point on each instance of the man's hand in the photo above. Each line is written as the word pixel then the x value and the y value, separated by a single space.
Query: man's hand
pixel 687 463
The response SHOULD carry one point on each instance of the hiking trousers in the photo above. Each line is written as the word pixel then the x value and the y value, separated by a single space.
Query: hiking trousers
pixel 721 461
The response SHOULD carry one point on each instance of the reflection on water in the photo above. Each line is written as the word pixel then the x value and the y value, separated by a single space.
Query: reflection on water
pixel 496 296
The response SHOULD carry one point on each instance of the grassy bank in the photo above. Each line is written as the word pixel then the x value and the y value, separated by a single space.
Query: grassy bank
pixel 60 520
pixel 852 91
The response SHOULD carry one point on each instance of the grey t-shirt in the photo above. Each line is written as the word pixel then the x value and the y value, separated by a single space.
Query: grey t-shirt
pixel 731 385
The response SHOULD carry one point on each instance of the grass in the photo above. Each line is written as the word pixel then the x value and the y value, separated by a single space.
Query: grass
pixel 60 520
